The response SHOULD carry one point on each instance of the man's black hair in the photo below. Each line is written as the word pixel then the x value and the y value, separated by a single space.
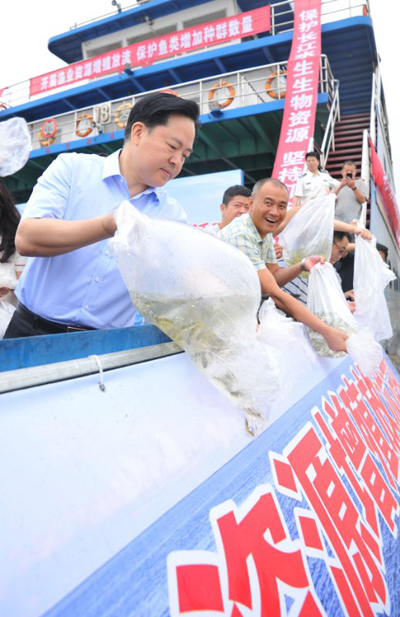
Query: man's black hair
pixel 314 154
pixel 383 249
pixel 260 183
pixel 339 235
pixel 156 108
pixel 232 191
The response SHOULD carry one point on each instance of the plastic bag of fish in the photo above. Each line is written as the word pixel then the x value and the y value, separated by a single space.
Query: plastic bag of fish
pixel 204 294
pixel 326 300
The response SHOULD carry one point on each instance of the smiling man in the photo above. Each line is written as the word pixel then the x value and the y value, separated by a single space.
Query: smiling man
pixel 72 282
pixel 235 202
pixel 253 233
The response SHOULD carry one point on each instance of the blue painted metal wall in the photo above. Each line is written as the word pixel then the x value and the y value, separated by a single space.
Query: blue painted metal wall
pixel 38 350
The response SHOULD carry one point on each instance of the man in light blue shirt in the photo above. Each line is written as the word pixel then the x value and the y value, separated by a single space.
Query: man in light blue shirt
pixel 71 281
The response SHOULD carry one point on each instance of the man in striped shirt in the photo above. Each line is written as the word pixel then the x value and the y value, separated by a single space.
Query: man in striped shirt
pixel 252 234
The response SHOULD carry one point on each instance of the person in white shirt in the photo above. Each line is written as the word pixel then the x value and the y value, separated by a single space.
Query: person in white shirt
pixel 235 202
pixel 313 181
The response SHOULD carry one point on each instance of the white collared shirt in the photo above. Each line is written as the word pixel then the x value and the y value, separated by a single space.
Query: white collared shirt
pixel 309 184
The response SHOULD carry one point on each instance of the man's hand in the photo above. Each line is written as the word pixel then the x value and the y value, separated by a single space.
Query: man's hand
pixel 351 184
pixel 352 307
pixel 349 294
pixel 313 260
pixel 4 291
pixel 336 340
pixel 364 233
pixel 341 184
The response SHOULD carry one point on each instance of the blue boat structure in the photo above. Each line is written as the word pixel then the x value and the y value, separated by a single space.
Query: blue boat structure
pixel 128 483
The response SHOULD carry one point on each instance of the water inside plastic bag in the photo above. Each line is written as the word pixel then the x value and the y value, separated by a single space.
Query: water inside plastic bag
pixel 204 294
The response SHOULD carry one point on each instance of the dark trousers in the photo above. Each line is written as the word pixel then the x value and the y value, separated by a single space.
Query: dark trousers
pixel 25 323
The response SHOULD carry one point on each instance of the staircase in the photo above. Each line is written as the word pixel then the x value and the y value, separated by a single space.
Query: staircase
pixel 348 145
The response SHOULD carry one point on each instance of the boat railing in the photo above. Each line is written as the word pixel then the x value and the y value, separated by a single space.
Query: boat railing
pixel 281 21
pixel 329 134
pixel 329 8
pixel 227 91
pixel 282 15
pixel 380 222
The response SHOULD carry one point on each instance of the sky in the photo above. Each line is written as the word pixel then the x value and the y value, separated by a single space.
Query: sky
pixel 24 52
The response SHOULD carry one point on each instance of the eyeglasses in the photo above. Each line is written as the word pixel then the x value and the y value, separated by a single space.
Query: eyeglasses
pixel 341 250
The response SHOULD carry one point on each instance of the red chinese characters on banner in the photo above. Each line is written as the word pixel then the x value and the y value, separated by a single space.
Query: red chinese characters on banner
pixel 385 188
pixel 345 468
pixel 145 53
pixel 301 94
pixel 254 534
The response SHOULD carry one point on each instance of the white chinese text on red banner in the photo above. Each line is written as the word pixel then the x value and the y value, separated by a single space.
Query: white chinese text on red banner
pixel 301 93
pixel 147 52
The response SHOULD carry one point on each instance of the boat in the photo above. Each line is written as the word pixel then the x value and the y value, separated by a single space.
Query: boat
pixel 129 485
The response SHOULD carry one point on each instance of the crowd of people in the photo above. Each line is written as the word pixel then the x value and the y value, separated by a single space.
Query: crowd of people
pixel 71 281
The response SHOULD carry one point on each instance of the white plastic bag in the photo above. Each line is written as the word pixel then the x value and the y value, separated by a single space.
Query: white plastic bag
pixel 287 341
pixel 8 277
pixel 365 351
pixel 371 276
pixel 15 145
pixel 6 312
pixel 204 294
pixel 310 231
pixel 326 300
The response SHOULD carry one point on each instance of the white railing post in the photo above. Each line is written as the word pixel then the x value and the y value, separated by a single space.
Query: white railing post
pixel 372 129
pixel 364 174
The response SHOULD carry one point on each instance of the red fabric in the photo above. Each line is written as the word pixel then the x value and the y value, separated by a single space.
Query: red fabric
pixel 386 192
pixel 147 52
pixel 301 93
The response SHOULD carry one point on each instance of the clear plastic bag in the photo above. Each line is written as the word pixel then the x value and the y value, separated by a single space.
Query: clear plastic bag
pixel 310 231
pixel 6 312
pixel 371 276
pixel 287 341
pixel 326 300
pixel 365 351
pixel 204 294
pixel 15 145
pixel 8 277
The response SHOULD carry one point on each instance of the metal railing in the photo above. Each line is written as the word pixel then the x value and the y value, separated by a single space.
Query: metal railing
pixel 119 10
pixel 329 134
pixel 332 10
pixel 214 94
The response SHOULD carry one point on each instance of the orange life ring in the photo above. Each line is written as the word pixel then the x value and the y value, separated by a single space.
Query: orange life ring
pixel 88 130
pixel 275 94
pixel 49 128
pixel 45 140
pixel 121 111
pixel 211 94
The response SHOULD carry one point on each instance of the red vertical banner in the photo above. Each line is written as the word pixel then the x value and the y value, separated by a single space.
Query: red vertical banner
pixel 386 191
pixel 301 93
